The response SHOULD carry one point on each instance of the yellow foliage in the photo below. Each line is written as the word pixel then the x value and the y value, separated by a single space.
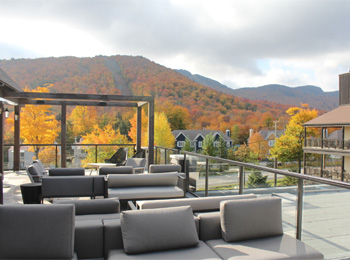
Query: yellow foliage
pixel 107 135
pixel 38 124
pixel 162 131
pixel 259 145
pixel 82 119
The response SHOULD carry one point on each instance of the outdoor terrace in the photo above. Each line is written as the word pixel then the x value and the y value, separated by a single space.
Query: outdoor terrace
pixel 315 210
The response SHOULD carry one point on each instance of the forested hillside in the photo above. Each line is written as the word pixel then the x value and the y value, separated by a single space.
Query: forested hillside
pixel 139 76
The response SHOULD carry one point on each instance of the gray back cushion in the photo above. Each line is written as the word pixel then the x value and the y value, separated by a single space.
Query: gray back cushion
pixel 158 168
pixel 250 218
pixel 141 180
pixel 158 229
pixel 36 231
pixel 67 186
pixel 115 170
pixel 97 206
pixel 66 171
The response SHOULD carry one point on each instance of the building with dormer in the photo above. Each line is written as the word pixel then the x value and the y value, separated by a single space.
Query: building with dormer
pixel 196 138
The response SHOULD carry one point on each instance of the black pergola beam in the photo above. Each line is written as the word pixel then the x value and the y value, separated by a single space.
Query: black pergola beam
pixel 76 103
pixel 72 96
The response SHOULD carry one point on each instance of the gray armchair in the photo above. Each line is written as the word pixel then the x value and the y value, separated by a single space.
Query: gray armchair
pixel 35 173
pixel 138 164
pixel 37 232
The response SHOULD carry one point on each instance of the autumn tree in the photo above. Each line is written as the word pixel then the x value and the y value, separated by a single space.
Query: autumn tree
pixel 235 134
pixel 39 125
pixel 243 153
pixel 179 117
pixel 82 120
pixel 162 131
pixel 259 145
pixel 106 135
pixel 289 147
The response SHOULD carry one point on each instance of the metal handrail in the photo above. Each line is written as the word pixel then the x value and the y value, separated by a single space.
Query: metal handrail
pixel 276 171
pixel 242 165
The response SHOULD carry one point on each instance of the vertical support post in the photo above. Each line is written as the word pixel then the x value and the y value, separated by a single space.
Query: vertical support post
pixel 156 154
pixel 206 177
pixel 165 156
pixel 300 208
pixel 187 173
pixel 138 128
pixel 63 135
pixel 150 132
pixel 1 191
pixel 95 153
pixel 2 122
pixel 241 179
pixel 16 149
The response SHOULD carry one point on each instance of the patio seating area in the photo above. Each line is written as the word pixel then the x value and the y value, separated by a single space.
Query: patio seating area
pixel 223 227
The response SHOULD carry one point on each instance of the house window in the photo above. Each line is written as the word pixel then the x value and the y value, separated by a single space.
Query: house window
pixel 271 142
pixel 180 144
pixel 200 144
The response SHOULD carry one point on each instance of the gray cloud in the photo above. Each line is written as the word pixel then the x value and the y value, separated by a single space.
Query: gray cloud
pixel 289 30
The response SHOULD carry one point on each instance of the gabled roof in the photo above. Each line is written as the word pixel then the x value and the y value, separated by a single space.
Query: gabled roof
pixel 193 134
pixel 337 117
pixel 266 133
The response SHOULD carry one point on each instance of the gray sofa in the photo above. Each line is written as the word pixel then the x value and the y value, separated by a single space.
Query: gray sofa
pixel 144 186
pixel 242 229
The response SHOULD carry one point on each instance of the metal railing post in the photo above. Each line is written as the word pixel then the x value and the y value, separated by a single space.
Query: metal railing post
pixel 156 155
pixel 206 177
pixel 56 161
pixel 165 156
pixel 241 179
pixel 187 173
pixel 300 208
pixel 95 153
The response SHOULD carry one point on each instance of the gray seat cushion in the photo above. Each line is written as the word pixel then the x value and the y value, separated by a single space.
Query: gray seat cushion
pixel 133 193
pixel 201 251
pixel 251 218
pixel 276 247
pixel 158 229
pixel 37 232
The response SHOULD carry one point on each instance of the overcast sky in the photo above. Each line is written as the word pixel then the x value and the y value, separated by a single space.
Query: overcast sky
pixel 240 43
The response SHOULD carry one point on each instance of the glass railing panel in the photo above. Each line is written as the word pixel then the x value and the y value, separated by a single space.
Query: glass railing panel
pixel 326 219
pixel 196 178
pixel 223 178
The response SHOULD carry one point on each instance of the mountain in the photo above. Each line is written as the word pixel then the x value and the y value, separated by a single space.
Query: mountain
pixel 129 75
pixel 312 95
